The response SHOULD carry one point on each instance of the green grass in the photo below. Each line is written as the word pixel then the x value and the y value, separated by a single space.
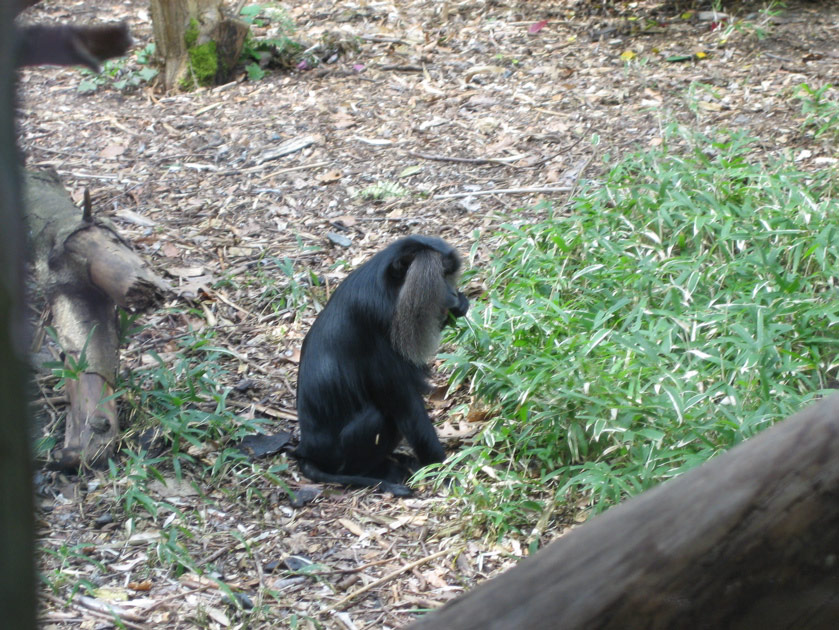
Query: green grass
pixel 820 108
pixel 678 307
pixel 183 397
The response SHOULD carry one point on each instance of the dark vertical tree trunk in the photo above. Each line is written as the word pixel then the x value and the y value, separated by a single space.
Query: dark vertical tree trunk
pixel 17 577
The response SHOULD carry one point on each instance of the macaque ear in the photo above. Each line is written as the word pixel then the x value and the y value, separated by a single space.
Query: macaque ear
pixel 400 264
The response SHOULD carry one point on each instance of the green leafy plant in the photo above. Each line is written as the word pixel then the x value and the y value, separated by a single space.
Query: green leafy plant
pixel 278 49
pixel 821 111
pixel 71 368
pixel 383 190
pixel 758 27
pixel 679 307
pixel 119 74
pixel 185 399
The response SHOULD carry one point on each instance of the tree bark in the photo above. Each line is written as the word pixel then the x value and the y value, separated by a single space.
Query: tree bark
pixel 748 540
pixel 85 270
pixel 173 20
pixel 17 571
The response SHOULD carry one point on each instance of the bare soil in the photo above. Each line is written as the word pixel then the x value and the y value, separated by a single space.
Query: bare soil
pixel 488 100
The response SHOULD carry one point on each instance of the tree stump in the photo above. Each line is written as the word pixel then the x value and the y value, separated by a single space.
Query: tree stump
pixel 85 271
pixel 196 42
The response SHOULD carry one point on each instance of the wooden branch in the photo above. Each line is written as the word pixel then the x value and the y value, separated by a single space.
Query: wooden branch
pixel 85 270
pixel 448 158
pixel 748 540
pixel 505 191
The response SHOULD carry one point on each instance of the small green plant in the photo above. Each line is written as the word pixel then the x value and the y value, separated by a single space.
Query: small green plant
pixel 277 49
pixel 695 92
pixel 185 399
pixel 383 190
pixel 821 111
pixel 71 368
pixel 280 286
pixel 71 556
pixel 679 307
pixel 119 75
pixel 758 29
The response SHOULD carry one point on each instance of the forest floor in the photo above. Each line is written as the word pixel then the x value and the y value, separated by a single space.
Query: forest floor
pixel 463 108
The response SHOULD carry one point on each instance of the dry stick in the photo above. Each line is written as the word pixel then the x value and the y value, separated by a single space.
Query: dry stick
pixel 291 169
pixel 561 151
pixel 505 191
pixel 386 40
pixel 446 158
pixel 273 412
pixel 576 182
pixel 157 604
pixel 266 164
pixel 109 615
pixel 389 577
pixel 397 68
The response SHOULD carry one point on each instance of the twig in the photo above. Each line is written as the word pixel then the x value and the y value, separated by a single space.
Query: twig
pixel 291 169
pixel 158 603
pixel 778 57
pixel 561 151
pixel 264 165
pixel 399 68
pixel 268 411
pixel 218 553
pixel 505 191
pixel 447 158
pixel 386 40
pixel 100 610
pixel 576 181
pixel 340 604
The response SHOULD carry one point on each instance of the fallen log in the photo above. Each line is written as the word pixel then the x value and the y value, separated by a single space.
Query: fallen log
pixel 748 540
pixel 85 271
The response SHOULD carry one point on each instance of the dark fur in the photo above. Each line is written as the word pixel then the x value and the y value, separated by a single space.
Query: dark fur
pixel 71 45
pixel 363 368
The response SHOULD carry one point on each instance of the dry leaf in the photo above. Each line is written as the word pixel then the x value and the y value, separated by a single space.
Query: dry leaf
pixel 329 176
pixel 111 151
pixel 538 26
pixel 352 526
pixel 170 250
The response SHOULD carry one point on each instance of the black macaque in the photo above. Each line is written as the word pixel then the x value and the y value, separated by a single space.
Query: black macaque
pixel 363 369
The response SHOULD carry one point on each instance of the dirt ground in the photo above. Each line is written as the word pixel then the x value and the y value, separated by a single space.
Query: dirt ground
pixel 473 108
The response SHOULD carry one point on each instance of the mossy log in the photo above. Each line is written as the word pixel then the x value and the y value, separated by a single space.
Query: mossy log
pixel 748 540
pixel 85 270
pixel 196 42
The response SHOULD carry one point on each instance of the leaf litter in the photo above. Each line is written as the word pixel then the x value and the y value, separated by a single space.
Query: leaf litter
pixel 477 109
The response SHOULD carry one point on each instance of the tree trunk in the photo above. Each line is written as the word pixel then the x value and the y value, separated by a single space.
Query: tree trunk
pixel 748 540
pixel 196 42
pixel 17 571
pixel 85 271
